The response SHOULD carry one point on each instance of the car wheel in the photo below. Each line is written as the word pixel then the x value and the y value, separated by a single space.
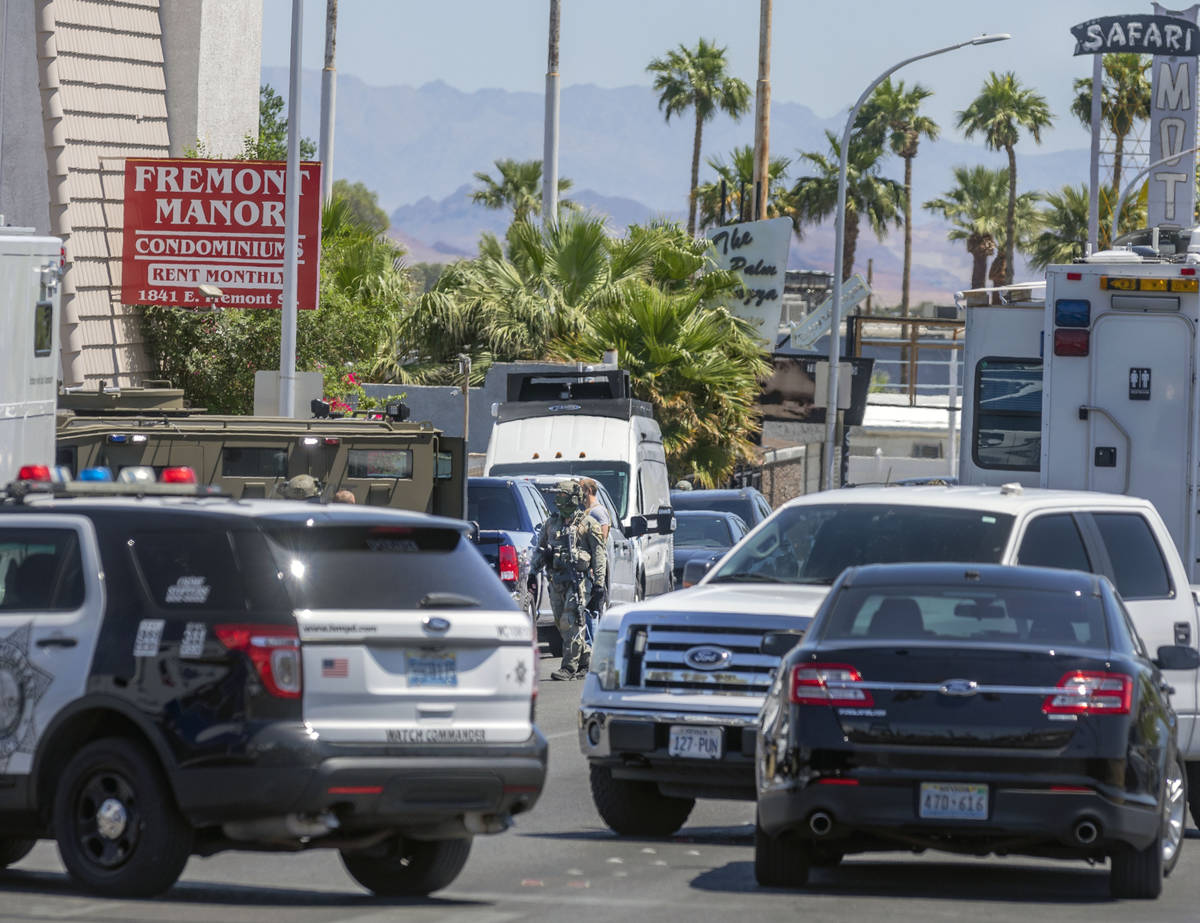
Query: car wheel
pixel 1193 785
pixel 407 868
pixel 14 850
pixel 118 828
pixel 1174 814
pixel 637 808
pixel 780 861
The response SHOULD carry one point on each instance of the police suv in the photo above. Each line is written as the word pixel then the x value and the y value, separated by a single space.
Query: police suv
pixel 182 673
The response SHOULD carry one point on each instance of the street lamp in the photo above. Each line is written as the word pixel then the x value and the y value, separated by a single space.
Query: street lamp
pixel 840 236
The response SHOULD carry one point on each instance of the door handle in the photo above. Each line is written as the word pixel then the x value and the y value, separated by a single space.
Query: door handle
pixel 1183 634
pixel 56 641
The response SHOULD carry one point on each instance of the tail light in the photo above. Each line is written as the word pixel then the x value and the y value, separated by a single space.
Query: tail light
pixel 537 655
pixel 180 475
pixel 827 684
pixel 1091 694
pixel 508 567
pixel 273 649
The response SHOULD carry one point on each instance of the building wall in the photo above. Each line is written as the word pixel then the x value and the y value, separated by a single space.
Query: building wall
pixel 24 196
pixel 213 53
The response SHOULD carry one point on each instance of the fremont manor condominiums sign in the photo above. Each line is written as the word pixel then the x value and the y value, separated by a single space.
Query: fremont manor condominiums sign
pixel 216 223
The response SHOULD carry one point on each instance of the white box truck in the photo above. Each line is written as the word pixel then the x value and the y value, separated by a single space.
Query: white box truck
pixel 30 269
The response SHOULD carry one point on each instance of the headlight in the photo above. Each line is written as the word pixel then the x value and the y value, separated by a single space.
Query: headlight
pixel 604 659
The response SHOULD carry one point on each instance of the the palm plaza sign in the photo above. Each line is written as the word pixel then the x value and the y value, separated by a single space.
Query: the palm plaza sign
pixel 1173 38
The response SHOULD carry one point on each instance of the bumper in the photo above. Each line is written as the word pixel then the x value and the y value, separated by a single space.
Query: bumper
pixel 634 744
pixel 1016 817
pixel 419 788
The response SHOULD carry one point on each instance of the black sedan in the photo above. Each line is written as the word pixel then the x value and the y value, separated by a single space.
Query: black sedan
pixel 704 534
pixel 973 709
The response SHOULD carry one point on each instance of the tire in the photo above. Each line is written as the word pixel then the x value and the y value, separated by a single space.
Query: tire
pixel 1137 873
pixel 148 841
pixel 408 868
pixel 13 850
pixel 780 861
pixel 1175 808
pixel 554 642
pixel 1193 778
pixel 824 858
pixel 636 808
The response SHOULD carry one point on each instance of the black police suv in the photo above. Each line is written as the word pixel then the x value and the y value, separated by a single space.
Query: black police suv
pixel 975 709
pixel 182 675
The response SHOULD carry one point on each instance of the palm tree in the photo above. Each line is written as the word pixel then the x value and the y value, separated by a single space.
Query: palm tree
pixel 814 198
pixel 977 209
pixel 897 112
pixel 1001 110
pixel 519 188
pixel 697 79
pixel 738 173
pixel 1124 101
pixel 1065 221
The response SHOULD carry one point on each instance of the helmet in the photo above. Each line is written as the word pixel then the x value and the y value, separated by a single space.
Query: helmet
pixel 301 487
pixel 568 497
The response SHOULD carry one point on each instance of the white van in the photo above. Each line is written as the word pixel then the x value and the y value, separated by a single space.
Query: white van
pixel 586 424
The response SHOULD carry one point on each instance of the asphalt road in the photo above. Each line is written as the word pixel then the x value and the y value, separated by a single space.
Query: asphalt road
pixel 560 863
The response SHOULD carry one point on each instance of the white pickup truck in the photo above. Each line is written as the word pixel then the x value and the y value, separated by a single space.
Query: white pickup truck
pixel 668 711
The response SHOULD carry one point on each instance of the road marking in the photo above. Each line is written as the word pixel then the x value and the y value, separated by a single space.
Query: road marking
pixel 560 734
pixel 88 911
pixel 556 899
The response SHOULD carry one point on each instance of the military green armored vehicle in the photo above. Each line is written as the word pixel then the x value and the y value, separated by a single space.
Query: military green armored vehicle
pixel 382 460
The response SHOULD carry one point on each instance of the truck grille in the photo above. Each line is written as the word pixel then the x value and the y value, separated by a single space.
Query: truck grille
pixel 662 664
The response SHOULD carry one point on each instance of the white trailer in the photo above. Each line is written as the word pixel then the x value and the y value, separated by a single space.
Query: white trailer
pixel 30 268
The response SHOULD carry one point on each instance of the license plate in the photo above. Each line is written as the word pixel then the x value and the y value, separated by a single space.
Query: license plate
pixel 695 743
pixel 431 669
pixel 953 801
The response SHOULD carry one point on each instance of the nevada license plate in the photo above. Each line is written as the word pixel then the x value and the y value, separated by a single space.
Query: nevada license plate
pixel 431 669
pixel 953 801
pixel 695 743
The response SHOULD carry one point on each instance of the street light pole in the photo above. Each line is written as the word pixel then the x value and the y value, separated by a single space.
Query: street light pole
pixel 835 322
pixel 291 226
pixel 1116 217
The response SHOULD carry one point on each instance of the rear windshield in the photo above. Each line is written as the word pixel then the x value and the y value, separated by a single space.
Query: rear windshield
pixel 739 506
pixel 702 532
pixel 493 507
pixel 382 567
pixel 813 544
pixel 613 475
pixel 933 613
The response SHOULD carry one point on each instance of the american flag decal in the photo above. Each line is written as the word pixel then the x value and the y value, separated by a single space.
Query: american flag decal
pixel 335 667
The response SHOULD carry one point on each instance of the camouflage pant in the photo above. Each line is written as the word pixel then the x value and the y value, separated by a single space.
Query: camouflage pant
pixel 570 616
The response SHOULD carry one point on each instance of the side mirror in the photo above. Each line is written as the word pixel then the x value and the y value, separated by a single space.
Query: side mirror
pixel 695 569
pixel 637 526
pixel 1177 657
pixel 666 520
pixel 473 535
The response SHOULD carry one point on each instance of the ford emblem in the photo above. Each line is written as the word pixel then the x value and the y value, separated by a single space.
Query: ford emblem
pixel 959 687
pixel 707 657
pixel 557 408
pixel 437 623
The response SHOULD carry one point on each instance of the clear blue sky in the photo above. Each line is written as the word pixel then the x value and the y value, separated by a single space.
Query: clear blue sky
pixel 823 54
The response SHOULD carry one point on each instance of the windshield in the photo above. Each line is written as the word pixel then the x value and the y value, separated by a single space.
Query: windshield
pixel 613 475
pixel 700 531
pixel 493 507
pixel 813 544
pixel 934 613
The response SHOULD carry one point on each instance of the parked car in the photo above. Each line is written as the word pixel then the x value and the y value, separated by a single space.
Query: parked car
pixel 975 709
pixel 185 674
pixel 509 513
pixel 704 535
pixel 746 502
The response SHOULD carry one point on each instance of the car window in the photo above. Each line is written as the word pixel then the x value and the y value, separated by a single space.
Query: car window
pixel 493 506
pixel 613 475
pixel 701 531
pixel 814 543
pixel 739 506
pixel 934 613
pixel 1054 541
pixel 188 571
pixel 763 509
pixel 40 569
pixel 1139 570
pixel 540 512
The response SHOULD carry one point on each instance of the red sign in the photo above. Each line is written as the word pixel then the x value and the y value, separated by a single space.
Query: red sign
pixel 216 222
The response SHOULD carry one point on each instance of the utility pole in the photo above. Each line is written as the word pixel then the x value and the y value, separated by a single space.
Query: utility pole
pixel 328 94
pixel 762 114
pixel 291 226
pixel 550 151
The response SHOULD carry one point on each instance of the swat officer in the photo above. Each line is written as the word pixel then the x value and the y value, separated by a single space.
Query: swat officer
pixel 572 551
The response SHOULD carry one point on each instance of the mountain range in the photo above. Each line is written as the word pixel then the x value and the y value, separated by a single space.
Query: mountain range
pixel 418 148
